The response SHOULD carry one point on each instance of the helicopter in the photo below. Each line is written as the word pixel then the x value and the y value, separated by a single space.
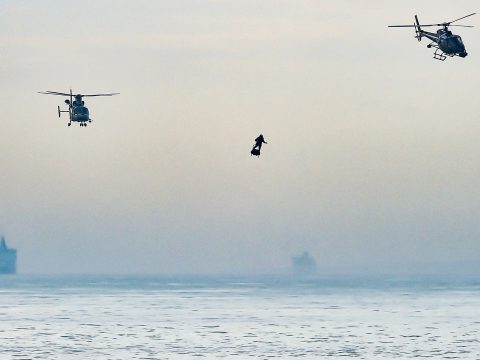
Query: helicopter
pixel 443 40
pixel 77 110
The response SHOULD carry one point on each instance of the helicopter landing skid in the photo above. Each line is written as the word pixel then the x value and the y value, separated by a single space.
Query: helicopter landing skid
pixel 439 55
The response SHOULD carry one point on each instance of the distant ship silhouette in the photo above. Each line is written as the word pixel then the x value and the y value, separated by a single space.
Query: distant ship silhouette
pixel 8 259
pixel 304 264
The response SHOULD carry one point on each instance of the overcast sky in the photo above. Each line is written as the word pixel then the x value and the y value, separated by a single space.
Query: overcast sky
pixel 372 162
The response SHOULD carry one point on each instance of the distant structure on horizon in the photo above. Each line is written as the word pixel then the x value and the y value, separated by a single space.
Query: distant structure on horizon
pixel 8 259
pixel 304 264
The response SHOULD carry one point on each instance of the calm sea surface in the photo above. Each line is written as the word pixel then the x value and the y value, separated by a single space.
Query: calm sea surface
pixel 126 317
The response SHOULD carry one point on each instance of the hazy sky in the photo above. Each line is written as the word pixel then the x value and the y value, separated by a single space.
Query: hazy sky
pixel 373 155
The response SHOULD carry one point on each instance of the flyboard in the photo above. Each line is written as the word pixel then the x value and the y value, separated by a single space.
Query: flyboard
pixel 255 152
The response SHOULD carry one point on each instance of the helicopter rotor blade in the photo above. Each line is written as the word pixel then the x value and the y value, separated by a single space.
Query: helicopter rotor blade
pixel 430 25
pixel 53 93
pixel 72 95
pixel 447 23
pixel 421 25
pixel 439 24
pixel 91 95
pixel 463 17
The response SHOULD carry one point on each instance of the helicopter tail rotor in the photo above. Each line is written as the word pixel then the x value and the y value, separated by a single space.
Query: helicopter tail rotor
pixel 418 30
pixel 59 112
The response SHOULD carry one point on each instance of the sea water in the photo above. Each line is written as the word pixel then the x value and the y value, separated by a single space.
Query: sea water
pixel 148 317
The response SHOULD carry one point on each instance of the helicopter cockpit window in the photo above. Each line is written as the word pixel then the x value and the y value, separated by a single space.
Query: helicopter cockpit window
pixel 454 41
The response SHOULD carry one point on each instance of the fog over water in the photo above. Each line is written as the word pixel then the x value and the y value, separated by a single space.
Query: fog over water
pixel 372 162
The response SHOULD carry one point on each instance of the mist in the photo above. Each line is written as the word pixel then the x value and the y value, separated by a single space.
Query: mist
pixel 372 156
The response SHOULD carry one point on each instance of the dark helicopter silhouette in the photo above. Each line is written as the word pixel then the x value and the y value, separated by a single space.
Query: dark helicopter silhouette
pixel 445 42
pixel 77 110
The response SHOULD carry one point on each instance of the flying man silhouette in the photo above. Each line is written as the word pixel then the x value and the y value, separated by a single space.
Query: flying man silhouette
pixel 258 145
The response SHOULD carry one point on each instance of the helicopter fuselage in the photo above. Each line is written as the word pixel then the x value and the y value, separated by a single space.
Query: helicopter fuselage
pixel 79 112
pixel 447 42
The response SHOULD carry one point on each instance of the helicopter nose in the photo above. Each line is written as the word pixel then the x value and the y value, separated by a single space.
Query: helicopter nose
pixel 82 117
pixel 463 54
